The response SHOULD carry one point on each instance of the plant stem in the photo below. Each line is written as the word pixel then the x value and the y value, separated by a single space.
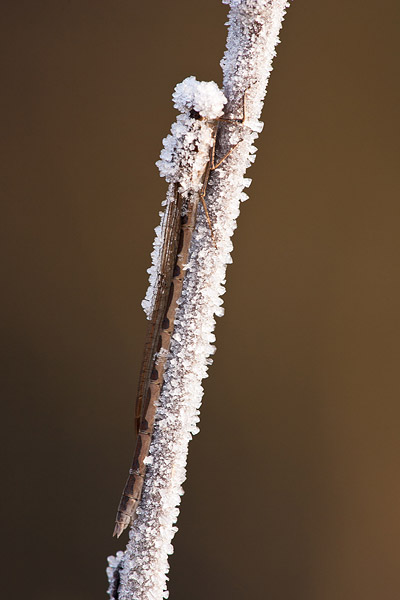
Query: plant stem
pixel 252 36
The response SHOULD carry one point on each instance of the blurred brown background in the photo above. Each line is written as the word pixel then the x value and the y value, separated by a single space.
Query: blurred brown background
pixel 293 488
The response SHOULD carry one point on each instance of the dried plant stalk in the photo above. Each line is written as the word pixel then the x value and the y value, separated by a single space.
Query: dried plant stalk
pixel 140 572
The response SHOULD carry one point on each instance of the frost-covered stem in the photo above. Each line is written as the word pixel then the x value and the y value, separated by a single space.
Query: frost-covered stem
pixel 253 34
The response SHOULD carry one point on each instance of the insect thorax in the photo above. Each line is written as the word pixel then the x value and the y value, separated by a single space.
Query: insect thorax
pixel 183 160
pixel 186 149
pixel 185 153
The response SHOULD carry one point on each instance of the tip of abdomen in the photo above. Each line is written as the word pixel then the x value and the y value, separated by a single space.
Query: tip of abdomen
pixel 118 529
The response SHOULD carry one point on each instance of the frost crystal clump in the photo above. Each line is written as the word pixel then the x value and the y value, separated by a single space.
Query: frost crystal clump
pixel 115 564
pixel 204 97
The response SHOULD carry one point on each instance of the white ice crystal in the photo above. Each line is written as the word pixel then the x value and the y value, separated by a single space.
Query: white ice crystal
pixel 113 573
pixel 253 34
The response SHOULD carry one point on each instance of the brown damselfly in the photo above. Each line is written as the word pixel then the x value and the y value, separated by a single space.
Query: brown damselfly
pixel 187 162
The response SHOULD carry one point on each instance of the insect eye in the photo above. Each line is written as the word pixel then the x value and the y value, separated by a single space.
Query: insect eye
pixel 195 115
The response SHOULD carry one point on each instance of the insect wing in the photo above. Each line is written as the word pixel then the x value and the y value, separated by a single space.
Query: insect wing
pixel 171 226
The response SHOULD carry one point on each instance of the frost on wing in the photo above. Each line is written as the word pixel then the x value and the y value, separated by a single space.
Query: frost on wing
pixel 184 158
pixel 154 270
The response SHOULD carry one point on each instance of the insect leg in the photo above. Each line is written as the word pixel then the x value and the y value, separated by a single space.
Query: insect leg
pixel 243 118
pixel 203 201
pixel 213 166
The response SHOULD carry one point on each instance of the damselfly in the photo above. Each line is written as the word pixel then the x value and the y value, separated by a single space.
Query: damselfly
pixel 186 162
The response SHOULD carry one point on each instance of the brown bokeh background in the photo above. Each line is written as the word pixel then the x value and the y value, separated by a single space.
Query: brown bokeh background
pixel 293 488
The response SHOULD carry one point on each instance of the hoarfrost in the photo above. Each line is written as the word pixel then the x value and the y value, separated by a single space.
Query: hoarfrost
pixel 114 573
pixel 253 34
